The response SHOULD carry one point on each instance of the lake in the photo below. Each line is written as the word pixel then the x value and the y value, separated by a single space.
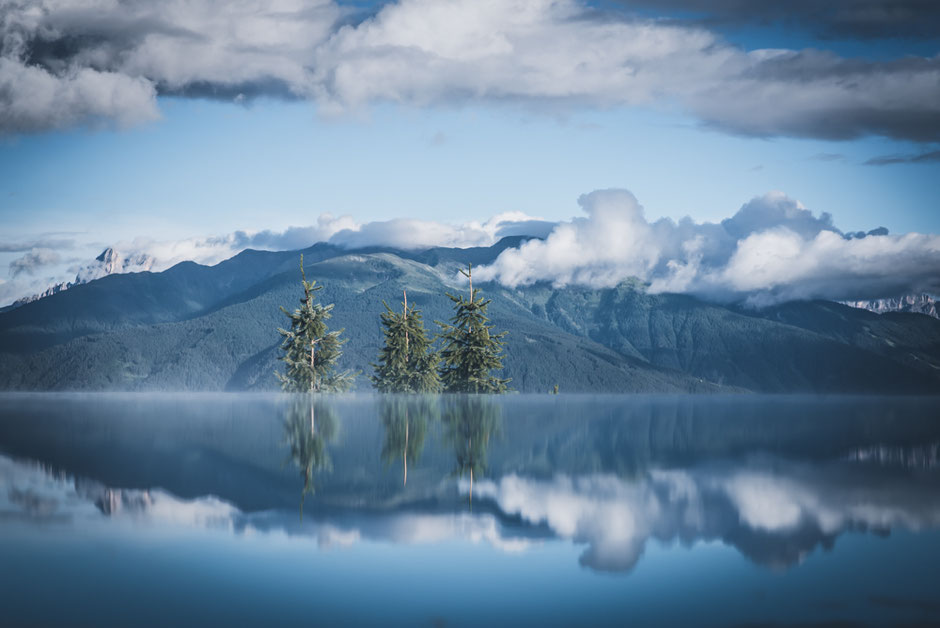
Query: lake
pixel 551 510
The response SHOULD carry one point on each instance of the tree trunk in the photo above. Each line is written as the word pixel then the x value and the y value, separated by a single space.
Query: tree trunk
pixel 404 454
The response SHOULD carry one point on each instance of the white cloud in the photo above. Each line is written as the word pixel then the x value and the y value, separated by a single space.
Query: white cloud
pixel 774 511
pixel 78 60
pixel 34 99
pixel 342 231
pixel 143 254
pixel 772 250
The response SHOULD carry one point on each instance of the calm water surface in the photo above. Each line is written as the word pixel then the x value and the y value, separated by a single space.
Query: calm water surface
pixel 193 510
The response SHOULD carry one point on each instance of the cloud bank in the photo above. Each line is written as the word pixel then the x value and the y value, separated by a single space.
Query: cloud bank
pixel 43 271
pixel 69 62
pixel 772 250
pixel 35 259
pixel 854 20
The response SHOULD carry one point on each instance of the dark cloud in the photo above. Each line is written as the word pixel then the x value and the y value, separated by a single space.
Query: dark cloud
pixel 835 19
pixel 929 157
pixel 73 62
pixel 35 259
pixel 817 94
pixel 7 246
pixel 828 157
pixel 856 235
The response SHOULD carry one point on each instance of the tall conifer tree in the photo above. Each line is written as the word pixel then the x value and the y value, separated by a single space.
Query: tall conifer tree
pixel 471 351
pixel 310 350
pixel 407 364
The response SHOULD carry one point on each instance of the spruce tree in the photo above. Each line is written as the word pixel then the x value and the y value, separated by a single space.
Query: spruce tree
pixel 407 364
pixel 470 349
pixel 310 351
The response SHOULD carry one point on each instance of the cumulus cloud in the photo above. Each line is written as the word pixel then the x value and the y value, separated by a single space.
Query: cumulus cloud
pixel 37 258
pixel 66 62
pixel 772 250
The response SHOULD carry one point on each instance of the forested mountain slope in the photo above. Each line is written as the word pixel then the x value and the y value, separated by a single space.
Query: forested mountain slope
pixel 215 328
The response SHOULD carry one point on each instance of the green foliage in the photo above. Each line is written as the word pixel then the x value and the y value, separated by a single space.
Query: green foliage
pixel 310 351
pixel 308 427
pixel 470 350
pixel 213 328
pixel 407 364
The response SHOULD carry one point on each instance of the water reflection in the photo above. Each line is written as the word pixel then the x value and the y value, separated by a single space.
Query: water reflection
pixel 774 512
pixel 310 424
pixel 405 419
pixel 610 476
pixel 469 423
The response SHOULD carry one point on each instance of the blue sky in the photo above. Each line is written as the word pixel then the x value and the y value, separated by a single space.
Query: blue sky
pixel 209 167
pixel 153 158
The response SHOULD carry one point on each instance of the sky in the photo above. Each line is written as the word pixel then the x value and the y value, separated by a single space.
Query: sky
pixel 730 149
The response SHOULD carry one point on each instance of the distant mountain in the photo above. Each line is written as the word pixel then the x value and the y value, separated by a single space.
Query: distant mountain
pixel 109 262
pixel 916 303
pixel 196 327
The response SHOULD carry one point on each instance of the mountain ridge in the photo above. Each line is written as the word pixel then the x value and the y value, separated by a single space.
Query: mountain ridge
pixel 195 327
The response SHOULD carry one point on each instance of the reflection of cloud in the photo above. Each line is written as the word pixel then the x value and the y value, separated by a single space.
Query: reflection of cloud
pixel 32 492
pixel 773 512
pixel 774 515
pixel 613 517
pixel 764 503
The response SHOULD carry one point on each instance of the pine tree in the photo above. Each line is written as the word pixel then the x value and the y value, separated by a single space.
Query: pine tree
pixel 470 350
pixel 406 362
pixel 310 351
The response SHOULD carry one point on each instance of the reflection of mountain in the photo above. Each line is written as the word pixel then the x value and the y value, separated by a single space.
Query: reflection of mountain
pixel 914 457
pixel 310 424
pixel 32 492
pixel 773 511
pixel 775 478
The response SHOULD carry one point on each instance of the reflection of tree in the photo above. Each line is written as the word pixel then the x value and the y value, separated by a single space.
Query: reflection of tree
pixel 406 424
pixel 469 422
pixel 309 425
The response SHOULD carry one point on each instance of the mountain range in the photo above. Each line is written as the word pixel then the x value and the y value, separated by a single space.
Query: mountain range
pixel 195 327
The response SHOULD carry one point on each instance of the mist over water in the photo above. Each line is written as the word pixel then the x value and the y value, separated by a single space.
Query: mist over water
pixel 556 510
